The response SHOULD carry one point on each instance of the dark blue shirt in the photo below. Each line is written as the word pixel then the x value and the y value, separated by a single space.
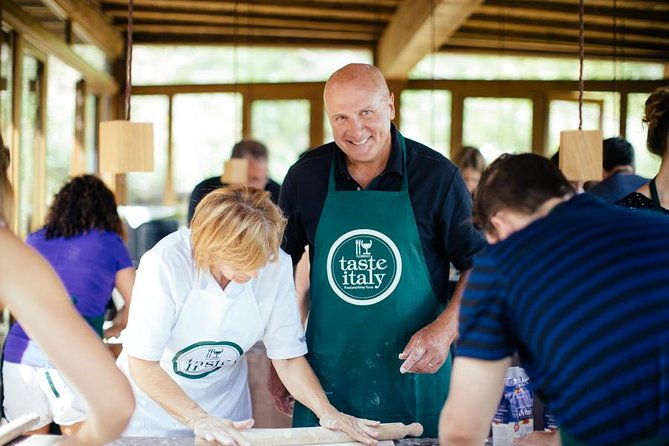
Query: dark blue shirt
pixel 617 186
pixel 583 295
pixel 442 206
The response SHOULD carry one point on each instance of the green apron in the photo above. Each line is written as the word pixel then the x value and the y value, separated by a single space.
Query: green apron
pixel 370 292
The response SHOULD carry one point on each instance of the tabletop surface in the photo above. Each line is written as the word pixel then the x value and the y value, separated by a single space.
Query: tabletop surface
pixel 49 440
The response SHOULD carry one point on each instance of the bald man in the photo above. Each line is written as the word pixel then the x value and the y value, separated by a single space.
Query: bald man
pixel 383 216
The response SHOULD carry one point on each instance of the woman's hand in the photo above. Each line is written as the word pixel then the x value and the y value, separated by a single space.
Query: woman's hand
pixel 118 324
pixel 223 431
pixel 359 429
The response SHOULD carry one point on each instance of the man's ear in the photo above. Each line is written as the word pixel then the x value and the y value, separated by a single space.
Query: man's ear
pixel 391 103
pixel 502 227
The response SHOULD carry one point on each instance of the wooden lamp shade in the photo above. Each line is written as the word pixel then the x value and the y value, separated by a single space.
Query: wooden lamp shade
pixel 235 171
pixel 581 157
pixel 126 146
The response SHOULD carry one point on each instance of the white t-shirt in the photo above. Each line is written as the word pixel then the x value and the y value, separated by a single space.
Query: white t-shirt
pixel 199 332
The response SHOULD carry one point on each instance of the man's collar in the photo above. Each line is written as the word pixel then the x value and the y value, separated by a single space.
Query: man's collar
pixel 394 159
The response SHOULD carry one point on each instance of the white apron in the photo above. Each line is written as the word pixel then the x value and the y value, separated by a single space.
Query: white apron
pixel 204 357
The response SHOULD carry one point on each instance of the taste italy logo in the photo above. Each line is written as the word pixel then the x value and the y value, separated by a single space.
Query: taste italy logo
pixel 364 267
pixel 202 358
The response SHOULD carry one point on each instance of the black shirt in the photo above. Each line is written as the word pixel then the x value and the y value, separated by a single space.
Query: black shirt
pixel 206 186
pixel 441 204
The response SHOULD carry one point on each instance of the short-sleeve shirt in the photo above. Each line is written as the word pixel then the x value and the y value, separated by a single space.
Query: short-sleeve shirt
pixel 167 274
pixel 583 296
pixel 87 265
pixel 442 206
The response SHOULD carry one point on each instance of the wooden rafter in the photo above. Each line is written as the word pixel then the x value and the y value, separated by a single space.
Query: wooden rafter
pixel 45 41
pixel 416 29
pixel 90 24
pixel 310 9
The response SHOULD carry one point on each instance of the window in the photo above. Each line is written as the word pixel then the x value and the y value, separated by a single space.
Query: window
pixel 426 118
pixel 497 126
pixel 283 126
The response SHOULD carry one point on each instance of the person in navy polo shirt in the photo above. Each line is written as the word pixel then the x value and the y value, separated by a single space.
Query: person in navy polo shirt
pixel 578 287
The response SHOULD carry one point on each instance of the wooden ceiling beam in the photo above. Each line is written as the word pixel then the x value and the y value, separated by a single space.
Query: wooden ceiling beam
pixel 621 5
pixel 416 29
pixel 242 33
pixel 48 43
pixel 265 41
pixel 308 9
pixel 90 24
pixel 210 19
pixel 571 7
pixel 502 14
pixel 569 21
pixel 551 36
pixel 464 47
pixel 550 27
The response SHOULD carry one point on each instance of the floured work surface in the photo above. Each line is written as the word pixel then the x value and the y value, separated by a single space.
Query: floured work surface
pixel 52 440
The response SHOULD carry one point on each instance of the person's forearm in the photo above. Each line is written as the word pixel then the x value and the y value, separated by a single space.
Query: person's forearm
pixel 39 301
pixel 157 384
pixel 303 385
pixel 452 310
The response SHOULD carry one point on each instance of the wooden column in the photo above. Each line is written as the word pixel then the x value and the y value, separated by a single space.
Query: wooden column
pixel 622 123
pixel 168 196
pixel 39 198
pixel 316 133
pixel 457 119
pixel 17 93
pixel 78 160
pixel 539 124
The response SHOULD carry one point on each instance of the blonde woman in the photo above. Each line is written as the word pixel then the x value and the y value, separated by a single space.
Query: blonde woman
pixel 39 301
pixel 202 298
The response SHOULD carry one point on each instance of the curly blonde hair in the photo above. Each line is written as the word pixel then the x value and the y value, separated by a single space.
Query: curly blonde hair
pixel 656 116
pixel 238 225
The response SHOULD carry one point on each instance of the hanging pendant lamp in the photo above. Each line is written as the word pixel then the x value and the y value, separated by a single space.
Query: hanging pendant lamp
pixel 581 157
pixel 126 146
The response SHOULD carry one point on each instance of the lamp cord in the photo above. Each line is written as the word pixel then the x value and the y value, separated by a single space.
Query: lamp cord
pixel 581 56
pixel 128 73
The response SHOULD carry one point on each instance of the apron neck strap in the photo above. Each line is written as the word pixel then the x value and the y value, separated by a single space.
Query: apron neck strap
pixel 405 176
pixel 653 194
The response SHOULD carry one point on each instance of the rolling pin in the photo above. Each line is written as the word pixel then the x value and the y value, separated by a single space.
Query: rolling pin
pixel 17 427
pixel 321 435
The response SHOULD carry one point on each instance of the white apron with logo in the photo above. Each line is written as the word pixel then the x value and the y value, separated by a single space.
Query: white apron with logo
pixel 204 357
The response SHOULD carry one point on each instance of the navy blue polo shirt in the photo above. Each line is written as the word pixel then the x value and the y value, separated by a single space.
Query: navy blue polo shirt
pixel 441 204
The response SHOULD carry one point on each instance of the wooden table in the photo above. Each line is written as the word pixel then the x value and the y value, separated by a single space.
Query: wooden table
pixel 51 440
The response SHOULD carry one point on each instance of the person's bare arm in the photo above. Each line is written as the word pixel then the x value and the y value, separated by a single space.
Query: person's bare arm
pixel 39 301
pixel 428 348
pixel 476 388
pixel 125 279
pixel 302 383
pixel 157 384
pixel 283 400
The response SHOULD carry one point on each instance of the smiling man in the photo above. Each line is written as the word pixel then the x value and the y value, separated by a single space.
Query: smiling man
pixel 383 216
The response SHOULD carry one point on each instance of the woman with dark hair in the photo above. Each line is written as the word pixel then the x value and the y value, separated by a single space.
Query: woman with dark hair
pixel 82 240
pixel 655 194
pixel 471 164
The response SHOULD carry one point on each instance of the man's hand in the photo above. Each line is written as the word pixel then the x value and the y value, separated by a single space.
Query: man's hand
pixel 359 429
pixel 428 348
pixel 283 400
pixel 224 432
